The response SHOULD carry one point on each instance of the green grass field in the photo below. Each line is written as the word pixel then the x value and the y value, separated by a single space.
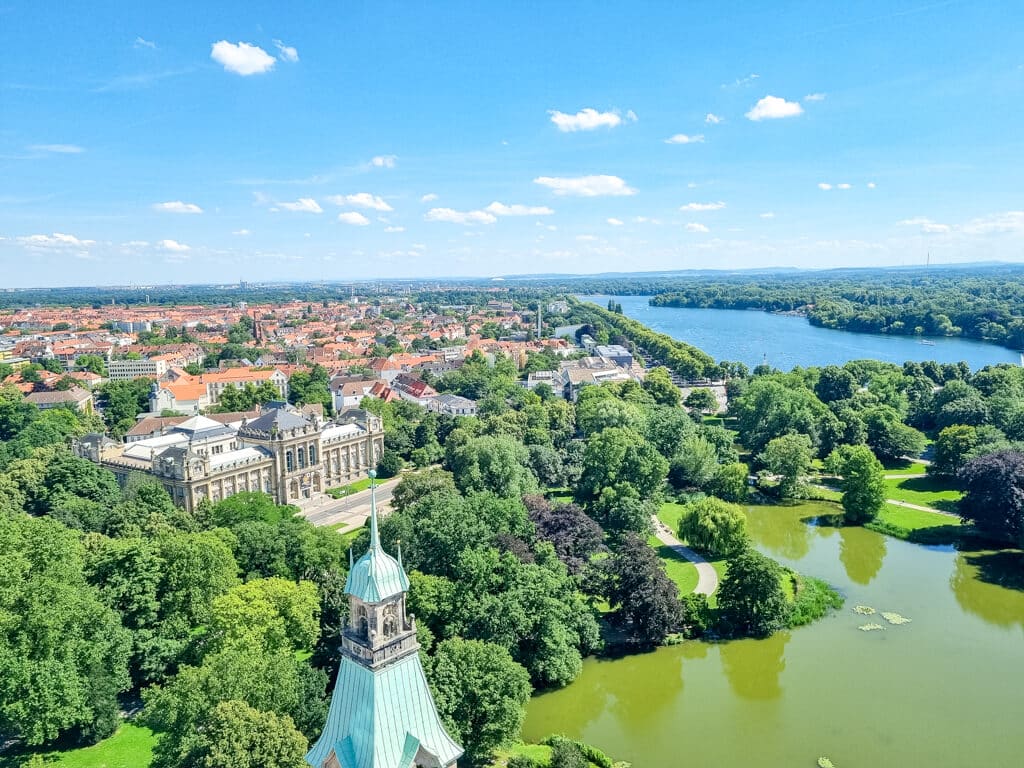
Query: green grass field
pixel 131 747
pixel 916 525
pixel 925 491
pixel 904 467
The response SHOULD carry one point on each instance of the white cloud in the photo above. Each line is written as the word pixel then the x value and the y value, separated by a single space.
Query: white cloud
pixel 56 240
pixel 173 246
pixel 460 217
pixel 712 119
pixel 143 43
pixel 587 238
pixel 682 138
pixel 615 222
pixel 586 186
pixel 286 52
pixel 361 200
pixel 135 244
pixel 814 97
pixel 384 161
pixel 588 119
pixel 694 226
pixel 871 185
pixel 740 82
pixel 58 149
pixel 242 232
pixel 429 197
pixel 500 209
pixel 394 229
pixel 843 186
pixel 354 218
pixel 768 215
pixel 242 58
pixel 303 204
pixel 176 206
pixel 1010 221
pixel 826 187
pixel 927 225
pixel 772 108
pixel 703 206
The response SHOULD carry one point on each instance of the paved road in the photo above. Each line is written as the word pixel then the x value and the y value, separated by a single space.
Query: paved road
pixel 707 577
pixel 351 511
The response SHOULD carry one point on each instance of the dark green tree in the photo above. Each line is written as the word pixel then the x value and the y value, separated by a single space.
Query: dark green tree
pixel 750 600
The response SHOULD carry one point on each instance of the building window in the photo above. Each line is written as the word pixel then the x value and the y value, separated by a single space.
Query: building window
pixel 312 454
pixel 302 458
pixel 289 461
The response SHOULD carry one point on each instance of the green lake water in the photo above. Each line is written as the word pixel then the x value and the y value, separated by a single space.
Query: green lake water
pixel 944 690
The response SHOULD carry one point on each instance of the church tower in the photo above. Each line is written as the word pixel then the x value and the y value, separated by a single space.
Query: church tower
pixel 382 713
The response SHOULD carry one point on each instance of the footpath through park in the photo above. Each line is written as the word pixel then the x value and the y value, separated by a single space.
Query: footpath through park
pixel 707 577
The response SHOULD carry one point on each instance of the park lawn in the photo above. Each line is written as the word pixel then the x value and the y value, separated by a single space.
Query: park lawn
pixel 347 490
pixel 925 491
pixel 914 519
pixel 918 526
pixel 670 514
pixel 131 747
pixel 904 467
pixel 677 568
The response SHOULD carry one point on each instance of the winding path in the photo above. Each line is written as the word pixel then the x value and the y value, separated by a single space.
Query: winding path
pixel 707 576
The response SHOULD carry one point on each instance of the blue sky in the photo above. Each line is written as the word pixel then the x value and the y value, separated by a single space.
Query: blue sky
pixel 205 142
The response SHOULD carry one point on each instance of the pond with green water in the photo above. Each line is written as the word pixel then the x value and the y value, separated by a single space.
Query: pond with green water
pixel 946 689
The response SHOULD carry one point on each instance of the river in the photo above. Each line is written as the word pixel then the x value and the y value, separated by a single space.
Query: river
pixel 944 691
pixel 785 341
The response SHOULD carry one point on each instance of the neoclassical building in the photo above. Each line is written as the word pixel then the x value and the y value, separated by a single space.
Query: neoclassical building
pixel 382 713
pixel 292 456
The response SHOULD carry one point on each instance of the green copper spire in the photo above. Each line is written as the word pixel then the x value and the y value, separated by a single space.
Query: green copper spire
pixel 376 576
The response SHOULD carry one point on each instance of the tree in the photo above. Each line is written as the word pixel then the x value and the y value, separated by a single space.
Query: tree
pixel 390 464
pixel 93 364
pixel 888 436
pixel 268 682
pixel 499 464
pixel 415 486
pixel 789 457
pixel 695 465
pixel 658 382
pixel 618 455
pixel 644 600
pixel 63 653
pixel 238 736
pixel 994 494
pixel 123 401
pixel 730 482
pixel 666 428
pixel 700 401
pixel 863 482
pixel 271 614
pixel 601 410
pixel 480 692
pixel 835 383
pixel 750 600
pixel 714 526
pixel 575 536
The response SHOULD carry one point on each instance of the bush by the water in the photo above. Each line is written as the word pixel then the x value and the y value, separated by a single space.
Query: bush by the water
pixel 814 597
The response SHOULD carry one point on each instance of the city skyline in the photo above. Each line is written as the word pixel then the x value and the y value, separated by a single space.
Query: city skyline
pixel 197 145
